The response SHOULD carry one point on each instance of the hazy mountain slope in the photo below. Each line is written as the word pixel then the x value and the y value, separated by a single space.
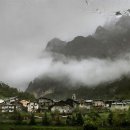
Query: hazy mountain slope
pixel 117 89
pixel 7 91
pixel 109 41
pixel 105 42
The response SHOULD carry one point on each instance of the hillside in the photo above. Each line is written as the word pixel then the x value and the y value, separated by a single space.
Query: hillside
pixel 106 42
pixel 7 91
pixel 55 89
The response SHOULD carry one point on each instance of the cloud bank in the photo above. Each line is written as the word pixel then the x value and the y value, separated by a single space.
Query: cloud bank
pixel 89 72
pixel 27 25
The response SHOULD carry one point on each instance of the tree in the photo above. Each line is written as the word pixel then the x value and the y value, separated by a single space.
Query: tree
pixel 58 121
pixel 73 120
pixel 79 119
pixel 45 120
pixel 110 119
pixel 90 127
pixel 69 120
pixel 18 118
pixel 32 120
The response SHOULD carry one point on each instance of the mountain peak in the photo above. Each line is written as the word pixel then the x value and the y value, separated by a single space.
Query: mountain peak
pixel 55 45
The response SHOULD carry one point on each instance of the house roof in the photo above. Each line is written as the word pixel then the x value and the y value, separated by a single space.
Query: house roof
pixel 45 98
pixel 68 102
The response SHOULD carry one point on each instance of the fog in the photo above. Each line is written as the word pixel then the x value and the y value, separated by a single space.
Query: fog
pixel 88 72
pixel 27 25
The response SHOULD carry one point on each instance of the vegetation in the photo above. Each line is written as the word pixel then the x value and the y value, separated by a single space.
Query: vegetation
pixel 119 89
pixel 92 120
pixel 7 91
pixel 32 120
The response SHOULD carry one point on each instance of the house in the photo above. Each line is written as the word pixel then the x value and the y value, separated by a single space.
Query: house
pixel 72 103
pixel 108 103
pixel 32 106
pixel 88 104
pixel 44 104
pixel 85 104
pixel 98 104
pixel 7 108
pixel 1 101
pixel 62 107
pixel 24 103
pixel 127 101
pixel 10 105
pixel 119 106
pixel 11 100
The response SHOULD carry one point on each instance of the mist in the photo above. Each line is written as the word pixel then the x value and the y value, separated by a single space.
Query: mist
pixel 27 26
pixel 88 72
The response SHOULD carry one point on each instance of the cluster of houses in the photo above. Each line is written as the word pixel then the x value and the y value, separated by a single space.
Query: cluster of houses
pixel 43 104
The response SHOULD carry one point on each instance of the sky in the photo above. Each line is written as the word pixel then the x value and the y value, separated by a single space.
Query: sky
pixel 27 25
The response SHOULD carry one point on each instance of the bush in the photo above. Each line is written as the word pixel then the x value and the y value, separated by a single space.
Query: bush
pixel 18 118
pixel 79 119
pixel 90 127
pixel 45 120
pixel 32 120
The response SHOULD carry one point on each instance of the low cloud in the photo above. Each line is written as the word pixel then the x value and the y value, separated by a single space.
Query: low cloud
pixel 89 72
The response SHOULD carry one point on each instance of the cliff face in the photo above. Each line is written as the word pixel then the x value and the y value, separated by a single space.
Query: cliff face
pixel 107 42
pixel 119 89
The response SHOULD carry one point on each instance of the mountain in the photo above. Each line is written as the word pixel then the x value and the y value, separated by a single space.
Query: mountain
pixel 119 89
pixel 109 41
pixel 55 45
pixel 7 91
pixel 106 42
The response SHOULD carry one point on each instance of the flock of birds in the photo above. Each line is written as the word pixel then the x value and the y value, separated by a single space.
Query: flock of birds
pixel 118 14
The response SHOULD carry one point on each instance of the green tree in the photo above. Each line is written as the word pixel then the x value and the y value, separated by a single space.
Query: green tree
pixel 90 127
pixel 79 119
pixel 110 118
pixel 69 120
pixel 45 120
pixel 32 120
pixel 18 118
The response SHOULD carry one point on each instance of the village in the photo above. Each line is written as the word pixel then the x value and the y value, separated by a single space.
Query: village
pixel 67 106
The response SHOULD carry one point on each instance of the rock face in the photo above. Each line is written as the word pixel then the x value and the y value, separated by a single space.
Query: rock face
pixel 119 89
pixel 107 42
pixel 55 45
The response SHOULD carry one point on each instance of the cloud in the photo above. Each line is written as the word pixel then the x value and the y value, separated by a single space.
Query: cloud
pixel 27 25
pixel 89 72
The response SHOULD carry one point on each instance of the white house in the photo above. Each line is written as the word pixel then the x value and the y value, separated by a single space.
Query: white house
pixel 44 104
pixel 66 109
pixel 1 101
pixel 119 106
pixel 7 107
pixel 98 104
pixel 11 100
pixel 32 107
pixel 85 104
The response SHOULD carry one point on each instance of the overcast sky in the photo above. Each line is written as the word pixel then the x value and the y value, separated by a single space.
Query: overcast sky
pixel 27 25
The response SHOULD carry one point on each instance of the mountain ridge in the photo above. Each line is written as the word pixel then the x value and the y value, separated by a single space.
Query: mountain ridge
pixel 107 42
